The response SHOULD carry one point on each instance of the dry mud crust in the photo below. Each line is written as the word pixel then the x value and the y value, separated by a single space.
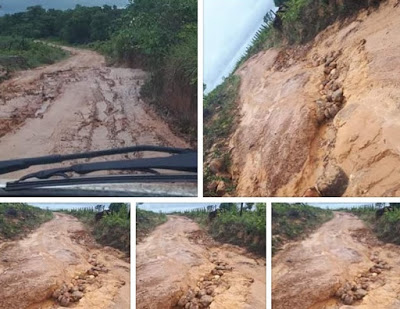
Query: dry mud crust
pixel 177 261
pixel 33 268
pixel 279 113
pixel 341 259
pixel 77 105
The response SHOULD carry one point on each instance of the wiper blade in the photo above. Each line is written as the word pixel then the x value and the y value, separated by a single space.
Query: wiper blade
pixel 184 162
pixel 9 166
pixel 111 179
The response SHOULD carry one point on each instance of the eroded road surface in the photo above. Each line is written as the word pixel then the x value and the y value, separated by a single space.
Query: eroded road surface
pixel 341 265
pixel 61 252
pixel 77 105
pixel 179 264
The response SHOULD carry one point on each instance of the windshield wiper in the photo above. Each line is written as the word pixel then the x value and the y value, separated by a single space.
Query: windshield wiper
pixel 185 162
pixel 182 163
pixel 21 164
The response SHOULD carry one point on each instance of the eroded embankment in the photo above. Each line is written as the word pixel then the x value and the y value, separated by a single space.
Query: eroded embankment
pixel 60 264
pixel 179 266
pixel 323 116
pixel 339 265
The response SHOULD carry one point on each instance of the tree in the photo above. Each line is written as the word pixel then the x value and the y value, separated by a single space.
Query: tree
pixel 116 207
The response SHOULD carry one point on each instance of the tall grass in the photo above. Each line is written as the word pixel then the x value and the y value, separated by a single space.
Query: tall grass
pixel 18 53
pixel 146 221
pixel 386 227
pixel 19 218
pixel 247 229
pixel 112 230
pixel 294 221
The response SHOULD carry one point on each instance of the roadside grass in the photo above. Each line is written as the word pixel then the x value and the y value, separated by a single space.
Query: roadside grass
pixel 18 219
pixel 247 230
pixel 111 230
pixel 220 110
pixel 386 227
pixel 17 53
pixel 295 221
pixel 147 221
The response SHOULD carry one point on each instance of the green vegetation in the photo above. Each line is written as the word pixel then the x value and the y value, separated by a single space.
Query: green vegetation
pixel 246 228
pixel 78 26
pixel 294 221
pixel 386 226
pixel 18 219
pixel 219 122
pixel 159 36
pixel 113 229
pixel 146 221
pixel 18 53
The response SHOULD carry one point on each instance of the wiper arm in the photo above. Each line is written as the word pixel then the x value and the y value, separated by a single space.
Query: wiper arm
pixel 184 162
pixel 21 164
pixel 111 179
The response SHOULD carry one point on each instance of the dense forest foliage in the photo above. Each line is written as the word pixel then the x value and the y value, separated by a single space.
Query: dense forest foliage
pixel 294 221
pixel 112 229
pixel 17 219
pixel 239 224
pixel 159 36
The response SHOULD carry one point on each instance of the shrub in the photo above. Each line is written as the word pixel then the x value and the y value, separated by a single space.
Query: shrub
pixel 19 218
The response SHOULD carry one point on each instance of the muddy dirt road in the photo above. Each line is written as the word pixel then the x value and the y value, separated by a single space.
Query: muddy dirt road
pixel 341 255
pixel 174 263
pixel 58 252
pixel 77 105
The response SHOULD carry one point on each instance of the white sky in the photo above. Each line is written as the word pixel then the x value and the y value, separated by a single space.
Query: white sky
pixel 339 205
pixel 55 206
pixel 229 26
pixel 170 207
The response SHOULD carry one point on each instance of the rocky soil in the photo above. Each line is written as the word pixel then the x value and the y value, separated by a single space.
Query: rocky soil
pixel 180 266
pixel 340 266
pixel 60 265
pixel 329 109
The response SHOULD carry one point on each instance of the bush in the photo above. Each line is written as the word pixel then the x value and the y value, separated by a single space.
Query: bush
pixel 386 227
pixel 18 218
pixel 246 230
pixel 112 229
pixel 293 221
pixel 18 53
pixel 146 221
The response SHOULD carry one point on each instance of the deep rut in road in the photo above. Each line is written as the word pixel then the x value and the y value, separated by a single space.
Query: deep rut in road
pixel 341 265
pixel 77 105
pixel 180 266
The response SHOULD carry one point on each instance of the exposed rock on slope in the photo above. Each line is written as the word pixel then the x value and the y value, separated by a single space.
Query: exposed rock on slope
pixel 335 102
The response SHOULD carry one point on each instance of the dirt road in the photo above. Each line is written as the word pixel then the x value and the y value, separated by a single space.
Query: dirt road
pixel 77 105
pixel 342 253
pixel 59 252
pixel 176 259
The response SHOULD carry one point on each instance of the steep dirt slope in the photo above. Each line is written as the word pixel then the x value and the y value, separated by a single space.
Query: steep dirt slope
pixel 177 261
pixel 283 143
pixel 340 256
pixel 77 105
pixel 60 250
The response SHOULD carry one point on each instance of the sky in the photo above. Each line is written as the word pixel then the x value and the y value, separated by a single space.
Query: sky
pixel 13 6
pixel 229 27
pixel 55 206
pixel 338 205
pixel 170 207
